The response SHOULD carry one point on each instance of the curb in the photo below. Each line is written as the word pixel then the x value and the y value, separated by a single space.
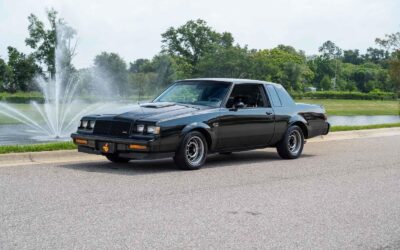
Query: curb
pixel 32 158
pixel 357 134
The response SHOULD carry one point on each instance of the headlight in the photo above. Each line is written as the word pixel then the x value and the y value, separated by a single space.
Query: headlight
pixel 153 130
pixel 140 128
pixel 87 124
pixel 84 124
pixel 91 124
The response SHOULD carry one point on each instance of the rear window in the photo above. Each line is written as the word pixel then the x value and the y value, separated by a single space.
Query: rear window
pixel 284 96
pixel 276 102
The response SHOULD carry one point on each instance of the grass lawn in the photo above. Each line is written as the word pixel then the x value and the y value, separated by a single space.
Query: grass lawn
pixel 37 147
pixel 356 107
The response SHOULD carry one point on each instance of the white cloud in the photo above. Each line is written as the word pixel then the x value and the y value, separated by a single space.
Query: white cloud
pixel 132 28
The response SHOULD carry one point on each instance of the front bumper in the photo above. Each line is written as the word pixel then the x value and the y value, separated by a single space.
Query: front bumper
pixel 120 146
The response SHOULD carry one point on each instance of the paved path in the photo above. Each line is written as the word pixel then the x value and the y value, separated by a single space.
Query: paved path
pixel 342 194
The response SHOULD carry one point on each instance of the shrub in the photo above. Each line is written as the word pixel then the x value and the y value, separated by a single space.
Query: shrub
pixel 21 97
pixel 373 95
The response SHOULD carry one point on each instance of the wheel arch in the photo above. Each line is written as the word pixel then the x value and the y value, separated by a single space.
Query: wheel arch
pixel 204 129
pixel 302 123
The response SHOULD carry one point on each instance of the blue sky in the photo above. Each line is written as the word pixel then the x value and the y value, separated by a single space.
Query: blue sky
pixel 132 28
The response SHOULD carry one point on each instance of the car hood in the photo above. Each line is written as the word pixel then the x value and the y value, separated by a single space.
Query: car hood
pixel 154 111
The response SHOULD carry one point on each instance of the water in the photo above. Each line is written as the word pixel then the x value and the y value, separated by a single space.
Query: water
pixel 56 118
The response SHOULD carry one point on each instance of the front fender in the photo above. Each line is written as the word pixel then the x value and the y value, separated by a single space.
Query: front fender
pixel 208 132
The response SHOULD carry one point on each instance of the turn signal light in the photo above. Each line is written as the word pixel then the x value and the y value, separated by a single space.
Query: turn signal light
pixel 137 147
pixel 81 141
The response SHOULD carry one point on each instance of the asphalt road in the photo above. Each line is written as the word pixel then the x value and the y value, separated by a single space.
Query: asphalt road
pixel 340 195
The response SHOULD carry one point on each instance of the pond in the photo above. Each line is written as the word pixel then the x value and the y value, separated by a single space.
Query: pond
pixel 19 133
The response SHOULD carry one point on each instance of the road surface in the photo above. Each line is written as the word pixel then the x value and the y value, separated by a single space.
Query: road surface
pixel 342 194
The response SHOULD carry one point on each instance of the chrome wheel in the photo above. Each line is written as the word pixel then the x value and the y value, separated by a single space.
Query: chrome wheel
pixel 195 150
pixel 294 142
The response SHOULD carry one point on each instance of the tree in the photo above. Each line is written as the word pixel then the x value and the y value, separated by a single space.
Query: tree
pixel 292 75
pixel 23 70
pixel 377 56
pixel 5 76
pixel 141 66
pixel 234 62
pixel 193 40
pixel 326 83
pixel 392 42
pixel 283 65
pixel 394 71
pixel 330 50
pixel 112 68
pixel 352 56
pixel 44 41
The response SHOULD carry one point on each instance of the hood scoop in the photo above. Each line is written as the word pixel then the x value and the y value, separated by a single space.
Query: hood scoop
pixel 156 105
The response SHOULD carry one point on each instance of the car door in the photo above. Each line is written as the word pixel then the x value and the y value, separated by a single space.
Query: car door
pixel 249 126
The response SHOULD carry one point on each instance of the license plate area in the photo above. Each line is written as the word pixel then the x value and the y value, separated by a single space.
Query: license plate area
pixel 106 147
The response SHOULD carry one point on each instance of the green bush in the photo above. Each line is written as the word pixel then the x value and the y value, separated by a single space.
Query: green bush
pixel 21 97
pixel 374 95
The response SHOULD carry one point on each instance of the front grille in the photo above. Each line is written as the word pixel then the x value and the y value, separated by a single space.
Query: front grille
pixel 114 128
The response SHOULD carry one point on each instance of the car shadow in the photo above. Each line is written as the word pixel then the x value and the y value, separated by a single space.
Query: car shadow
pixel 137 167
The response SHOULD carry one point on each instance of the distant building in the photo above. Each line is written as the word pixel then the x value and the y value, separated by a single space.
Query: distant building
pixel 310 89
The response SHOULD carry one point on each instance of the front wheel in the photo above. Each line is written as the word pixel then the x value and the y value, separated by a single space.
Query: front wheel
pixel 291 146
pixel 192 152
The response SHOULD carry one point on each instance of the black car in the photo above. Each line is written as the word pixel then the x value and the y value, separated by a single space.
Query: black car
pixel 196 117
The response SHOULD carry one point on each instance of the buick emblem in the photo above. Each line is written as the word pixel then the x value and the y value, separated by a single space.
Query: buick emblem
pixel 106 147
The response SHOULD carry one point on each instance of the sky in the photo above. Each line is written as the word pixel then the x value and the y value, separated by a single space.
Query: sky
pixel 132 28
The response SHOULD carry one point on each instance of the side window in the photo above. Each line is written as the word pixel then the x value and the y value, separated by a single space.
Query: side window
pixel 276 102
pixel 251 95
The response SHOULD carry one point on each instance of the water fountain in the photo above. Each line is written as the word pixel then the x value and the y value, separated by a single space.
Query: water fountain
pixel 57 117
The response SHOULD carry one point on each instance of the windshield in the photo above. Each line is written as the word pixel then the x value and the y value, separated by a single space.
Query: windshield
pixel 197 93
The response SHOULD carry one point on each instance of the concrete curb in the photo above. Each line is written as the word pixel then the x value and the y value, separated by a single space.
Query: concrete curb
pixel 356 134
pixel 67 156
pixel 32 158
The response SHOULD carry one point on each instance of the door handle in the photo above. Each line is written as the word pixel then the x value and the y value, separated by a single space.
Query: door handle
pixel 268 113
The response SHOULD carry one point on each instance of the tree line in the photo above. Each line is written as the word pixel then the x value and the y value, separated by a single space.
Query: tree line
pixel 197 50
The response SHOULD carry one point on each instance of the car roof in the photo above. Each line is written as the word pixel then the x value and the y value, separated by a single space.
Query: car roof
pixel 231 80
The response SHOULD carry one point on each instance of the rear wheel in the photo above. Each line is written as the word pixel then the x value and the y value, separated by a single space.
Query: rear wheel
pixel 291 146
pixel 117 159
pixel 192 152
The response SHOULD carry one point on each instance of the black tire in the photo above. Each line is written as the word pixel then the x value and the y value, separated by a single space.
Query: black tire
pixel 291 146
pixel 192 151
pixel 117 159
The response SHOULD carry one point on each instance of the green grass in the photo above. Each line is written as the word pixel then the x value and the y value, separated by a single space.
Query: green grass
pixel 348 128
pixel 37 147
pixel 356 107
